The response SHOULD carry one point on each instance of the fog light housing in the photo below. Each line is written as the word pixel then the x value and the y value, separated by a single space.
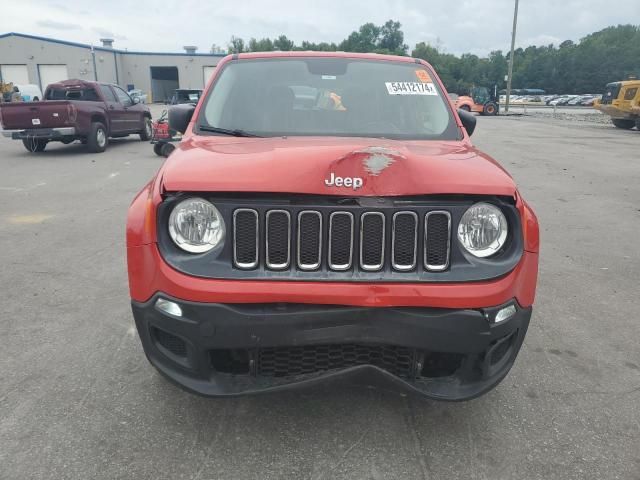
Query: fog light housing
pixel 505 314
pixel 167 306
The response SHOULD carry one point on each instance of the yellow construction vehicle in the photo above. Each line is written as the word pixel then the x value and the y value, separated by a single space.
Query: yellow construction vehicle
pixel 5 91
pixel 621 101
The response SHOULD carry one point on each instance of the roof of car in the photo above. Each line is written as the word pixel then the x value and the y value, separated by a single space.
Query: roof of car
pixel 73 82
pixel 301 53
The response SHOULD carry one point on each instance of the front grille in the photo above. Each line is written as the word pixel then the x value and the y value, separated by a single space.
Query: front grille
pixel 369 241
pixel 301 360
pixel 291 361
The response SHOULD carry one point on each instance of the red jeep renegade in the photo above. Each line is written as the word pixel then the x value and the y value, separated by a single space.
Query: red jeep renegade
pixel 324 216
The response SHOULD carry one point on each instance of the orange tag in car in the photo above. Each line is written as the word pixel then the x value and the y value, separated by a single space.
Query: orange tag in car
pixel 423 76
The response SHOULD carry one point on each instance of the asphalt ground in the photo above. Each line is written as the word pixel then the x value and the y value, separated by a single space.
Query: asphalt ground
pixel 78 399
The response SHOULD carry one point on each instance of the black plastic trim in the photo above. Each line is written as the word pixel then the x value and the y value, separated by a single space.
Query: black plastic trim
pixel 463 266
pixel 207 326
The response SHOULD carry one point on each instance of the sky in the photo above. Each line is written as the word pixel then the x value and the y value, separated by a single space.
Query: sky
pixel 463 26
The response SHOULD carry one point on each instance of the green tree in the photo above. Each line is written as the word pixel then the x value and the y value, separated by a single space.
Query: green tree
pixel 263 45
pixel 571 67
pixel 283 44
pixel 392 39
pixel 236 45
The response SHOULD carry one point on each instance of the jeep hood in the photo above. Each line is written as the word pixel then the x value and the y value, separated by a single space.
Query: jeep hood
pixel 308 164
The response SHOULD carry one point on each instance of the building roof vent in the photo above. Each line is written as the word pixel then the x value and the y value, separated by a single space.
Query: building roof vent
pixel 107 42
pixel 190 49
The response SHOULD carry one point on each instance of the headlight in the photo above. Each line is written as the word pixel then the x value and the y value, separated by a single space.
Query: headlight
pixel 196 226
pixel 483 230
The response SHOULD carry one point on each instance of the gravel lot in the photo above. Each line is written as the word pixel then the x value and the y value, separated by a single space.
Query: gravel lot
pixel 78 399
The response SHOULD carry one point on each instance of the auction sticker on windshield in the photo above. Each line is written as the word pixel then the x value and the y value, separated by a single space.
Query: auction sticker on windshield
pixel 411 88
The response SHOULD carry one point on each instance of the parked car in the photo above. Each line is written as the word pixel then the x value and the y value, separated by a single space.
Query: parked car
pixel 284 244
pixel 76 110
pixel 577 101
pixel 562 100
pixel 184 95
pixel 138 94
pixel 589 101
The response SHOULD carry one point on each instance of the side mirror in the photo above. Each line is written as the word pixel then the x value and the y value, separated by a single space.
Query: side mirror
pixel 135 100
pixel 468 121
pixel 180 116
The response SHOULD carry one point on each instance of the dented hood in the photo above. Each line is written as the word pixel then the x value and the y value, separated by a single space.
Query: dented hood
pixel 332 166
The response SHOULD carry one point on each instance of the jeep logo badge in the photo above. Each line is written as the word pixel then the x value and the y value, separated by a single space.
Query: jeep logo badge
pixel 335 181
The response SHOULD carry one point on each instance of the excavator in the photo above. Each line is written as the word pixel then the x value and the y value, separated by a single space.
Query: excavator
pixel 5 91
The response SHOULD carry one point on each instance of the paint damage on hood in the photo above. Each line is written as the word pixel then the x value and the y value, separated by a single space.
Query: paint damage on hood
pixel 333 166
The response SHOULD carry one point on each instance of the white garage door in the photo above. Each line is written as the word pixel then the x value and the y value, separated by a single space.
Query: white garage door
pixel 51 74
pixel 208 71
pixel 16 74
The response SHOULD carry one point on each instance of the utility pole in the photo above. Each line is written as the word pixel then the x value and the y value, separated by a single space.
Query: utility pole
pixel 95 70
pixel 513 46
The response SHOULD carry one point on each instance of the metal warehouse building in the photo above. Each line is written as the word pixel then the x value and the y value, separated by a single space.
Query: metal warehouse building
pixel 41 61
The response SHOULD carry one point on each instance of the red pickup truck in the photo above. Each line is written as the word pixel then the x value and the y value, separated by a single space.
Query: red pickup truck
pixel 76 110
pixel 326 215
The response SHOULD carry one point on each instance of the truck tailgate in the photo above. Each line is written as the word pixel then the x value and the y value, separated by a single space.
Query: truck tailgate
pixel 28 115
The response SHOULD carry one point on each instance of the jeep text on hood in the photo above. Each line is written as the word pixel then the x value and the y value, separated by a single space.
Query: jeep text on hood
pixel 330 219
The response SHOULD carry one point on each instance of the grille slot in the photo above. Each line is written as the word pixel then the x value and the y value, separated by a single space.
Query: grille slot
pixel 404 241
pixel 437 241
pixel 309 244
pixel 372 241
pixel 174 344
pixel 278 245
pixel 245 238
pixel 340 241
pixel 300 360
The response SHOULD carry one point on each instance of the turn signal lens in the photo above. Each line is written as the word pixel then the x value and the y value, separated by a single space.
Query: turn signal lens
pixel 505 314
pixel 167 306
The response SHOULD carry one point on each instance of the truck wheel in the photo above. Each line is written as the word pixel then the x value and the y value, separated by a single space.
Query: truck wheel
pixel 167 148
pixel 145 134
pixel 97 139
pixel 638 124
pixel 157 148
pixel 624 124
pixel 490 109
pixel 466 108
pixel 34 144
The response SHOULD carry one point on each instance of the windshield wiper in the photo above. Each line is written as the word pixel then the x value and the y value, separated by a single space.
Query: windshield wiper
pixel 225 131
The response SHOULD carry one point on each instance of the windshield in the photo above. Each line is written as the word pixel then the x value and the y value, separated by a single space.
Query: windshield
pixel 328 97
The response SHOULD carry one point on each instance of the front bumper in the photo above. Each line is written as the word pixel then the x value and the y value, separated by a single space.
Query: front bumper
pixel 46 133
pixel 228 349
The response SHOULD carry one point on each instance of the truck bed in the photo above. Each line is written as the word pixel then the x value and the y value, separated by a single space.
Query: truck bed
pixel 33 115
